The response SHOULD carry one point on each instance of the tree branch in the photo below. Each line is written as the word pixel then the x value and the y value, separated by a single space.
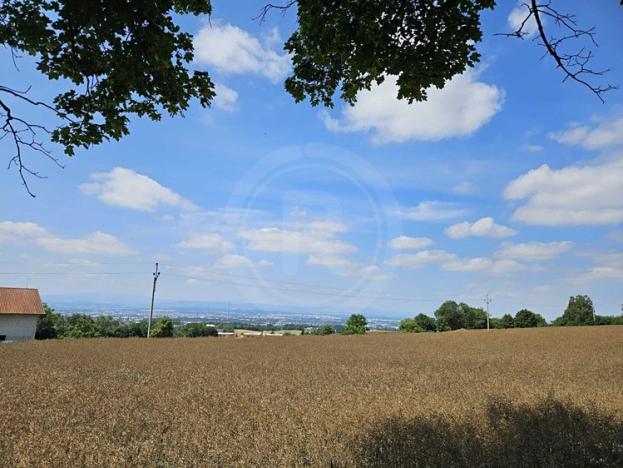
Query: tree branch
pixel 575 66
pixel 269 6
pixel 24 135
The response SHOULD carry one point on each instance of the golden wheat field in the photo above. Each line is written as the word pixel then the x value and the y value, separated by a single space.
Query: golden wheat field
pixel 533 397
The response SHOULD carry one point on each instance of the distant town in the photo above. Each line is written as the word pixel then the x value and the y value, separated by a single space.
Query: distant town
pixel 235 316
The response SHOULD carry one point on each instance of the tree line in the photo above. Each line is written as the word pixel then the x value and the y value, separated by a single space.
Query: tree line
pixel 54 325
pixel 449 316
pixel 454 316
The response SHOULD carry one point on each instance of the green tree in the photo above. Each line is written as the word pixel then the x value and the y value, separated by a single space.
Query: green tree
pixel 81 326
pixel 450 316
pixel 117 60
pixel 46 324
pixel 426 323
pixel 194 329
pixel 355 325
pixel 107 326
pixel 133 329
pixel 474 318
pixel 507 321
pixel 324 330
pixel 579 311
pixel 527 319
pixel 410 326
pixel 163 328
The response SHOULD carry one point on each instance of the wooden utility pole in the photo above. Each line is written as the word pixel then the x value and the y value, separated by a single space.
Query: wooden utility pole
pixel 487 301
pixel 153 294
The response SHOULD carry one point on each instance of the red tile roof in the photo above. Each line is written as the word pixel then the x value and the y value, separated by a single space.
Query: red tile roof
pixel 20 301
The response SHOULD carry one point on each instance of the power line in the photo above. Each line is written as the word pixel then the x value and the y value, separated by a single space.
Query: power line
pixel 90 273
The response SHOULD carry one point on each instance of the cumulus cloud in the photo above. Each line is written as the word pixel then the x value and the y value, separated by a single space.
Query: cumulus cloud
pixel 420 259
pixel 128 189
pixel 452 262
pixel 97 243
pixel 605 134
pixel 408 243
pixel 273 239
pixel 433 211
pixel 506 265
pixel 345 267
pixel 533 148
pixel 463 188
pixel 234 261
pixel 232 50
pixel 571 196
pixel 226 98
pixel 458 110
pixel 483 227
pixel 517 18
pixel 210 242
pixel 534 250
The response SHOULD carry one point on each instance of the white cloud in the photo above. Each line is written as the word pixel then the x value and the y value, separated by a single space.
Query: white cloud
pixel 534 250
pixel 233 261
pixel 571 196
pixel 316 239
pixel 406 243
pixel 451 262
pixel 433 211
pixel 605 273
pixel 419 259
pixel 503 266
pixel 325 228
pixel 346 267
pixel 467 264
pixel 210 242
pixel 517 17
pixel 483 227
pixel 605 134
pixel 226 98
pixel 232 50
pixel 458 110
pixel 533 148
pixel 609 266
pixel 97 243
pixel 463 188
pixel 127 189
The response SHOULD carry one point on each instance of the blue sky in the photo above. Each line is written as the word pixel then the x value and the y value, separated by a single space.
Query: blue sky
pixel 506 182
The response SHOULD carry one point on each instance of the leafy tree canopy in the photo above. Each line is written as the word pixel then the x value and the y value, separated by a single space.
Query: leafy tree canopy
pixel 163 328
pixel 410 326
pixel 46 324
pixel 347 45
pixel 579 311
pixel 507 321
pixel 195 329
pixel 527 319
pixel 426 323
pixel 355 325
pixel 450 316
pixel 118 59
pixel 474 317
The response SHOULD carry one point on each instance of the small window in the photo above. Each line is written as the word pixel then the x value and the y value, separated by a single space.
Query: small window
pixel 2 337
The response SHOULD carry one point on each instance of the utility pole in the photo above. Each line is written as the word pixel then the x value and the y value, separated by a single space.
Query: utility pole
pixel 153 294
pixel 487 301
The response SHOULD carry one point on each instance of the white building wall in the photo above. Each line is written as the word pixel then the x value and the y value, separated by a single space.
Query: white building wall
pixel 18 327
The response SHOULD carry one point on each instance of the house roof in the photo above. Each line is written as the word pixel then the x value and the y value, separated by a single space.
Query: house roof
pixel 20 301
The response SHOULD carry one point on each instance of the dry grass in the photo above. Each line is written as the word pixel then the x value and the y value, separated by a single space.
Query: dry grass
pixel 504 397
